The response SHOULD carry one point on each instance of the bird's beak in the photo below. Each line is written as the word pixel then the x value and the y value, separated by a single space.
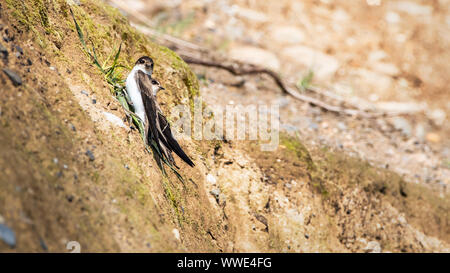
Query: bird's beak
pixel 162 88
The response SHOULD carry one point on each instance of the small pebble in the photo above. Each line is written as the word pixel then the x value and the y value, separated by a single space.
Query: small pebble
pixel 211 179
pixel 7 235
pixel 176 233
pixel 72 127
pixel 70 198
pixel 403 125
pixel 313 126
pixel 90 155
pixel 19 50
pixel 433 137
pixel 43 245
pixel 16 80
pixel 372 247
pixel 3 50
pixel 341 126
pixel 215 192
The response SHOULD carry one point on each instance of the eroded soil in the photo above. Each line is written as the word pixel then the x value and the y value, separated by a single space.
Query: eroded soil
pixel 70 172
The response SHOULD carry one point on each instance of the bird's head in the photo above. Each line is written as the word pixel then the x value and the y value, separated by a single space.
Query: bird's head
pixel 156 86
pixel 146 64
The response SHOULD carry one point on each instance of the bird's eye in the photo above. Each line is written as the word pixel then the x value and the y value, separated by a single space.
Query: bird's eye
pixel 154 82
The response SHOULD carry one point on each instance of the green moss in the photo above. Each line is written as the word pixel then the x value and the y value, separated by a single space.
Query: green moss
pixel 293 144
pixel 95 177
pixel 191 82
pixel 28 13
pixel 174 197
pixel 175 60
pixel 43 14
pixel 187 76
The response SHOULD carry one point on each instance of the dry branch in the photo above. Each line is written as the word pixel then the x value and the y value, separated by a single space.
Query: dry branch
pixel 195 54
pixel 246 69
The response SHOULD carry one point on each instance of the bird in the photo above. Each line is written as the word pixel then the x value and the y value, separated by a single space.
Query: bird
pixel 144 64
pixel 142 90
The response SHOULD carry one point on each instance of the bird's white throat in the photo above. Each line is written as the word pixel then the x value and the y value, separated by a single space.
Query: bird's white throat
pixel 134 93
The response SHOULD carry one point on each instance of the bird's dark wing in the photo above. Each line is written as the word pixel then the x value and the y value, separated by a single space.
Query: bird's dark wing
pixel 148 99
pixel 158 127
pixel 152 125
pixel 171 141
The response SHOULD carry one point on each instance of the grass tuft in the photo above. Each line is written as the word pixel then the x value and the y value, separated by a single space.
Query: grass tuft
pixel 305 82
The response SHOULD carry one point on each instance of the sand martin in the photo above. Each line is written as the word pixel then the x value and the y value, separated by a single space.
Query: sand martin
pixel 144 64
pixel 142 89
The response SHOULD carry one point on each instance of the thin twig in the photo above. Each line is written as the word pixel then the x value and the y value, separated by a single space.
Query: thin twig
pixel 238 70
pixel 251 69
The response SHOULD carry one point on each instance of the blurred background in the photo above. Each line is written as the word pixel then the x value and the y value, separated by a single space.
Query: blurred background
pixel 388 56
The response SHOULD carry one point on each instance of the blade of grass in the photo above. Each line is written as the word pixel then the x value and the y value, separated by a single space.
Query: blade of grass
pixel 80 32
